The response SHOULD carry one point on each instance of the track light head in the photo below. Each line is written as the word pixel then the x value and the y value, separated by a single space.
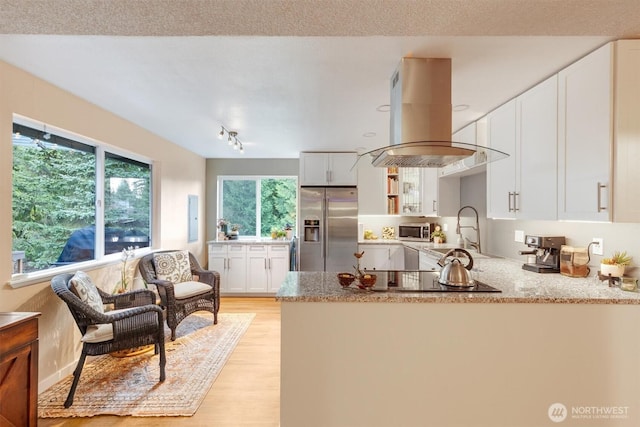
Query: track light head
pixel 232 138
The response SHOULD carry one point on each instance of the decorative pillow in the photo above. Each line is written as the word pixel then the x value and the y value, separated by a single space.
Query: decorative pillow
pixel 87 291
pixel 173 266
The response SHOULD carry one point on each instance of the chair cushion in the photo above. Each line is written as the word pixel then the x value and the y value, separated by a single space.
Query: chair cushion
pixel 173 266
pixel 87 291
pixel 100 332
pixel 189 289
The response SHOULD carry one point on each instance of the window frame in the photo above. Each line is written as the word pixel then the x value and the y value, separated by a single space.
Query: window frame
pixel 256 178
pixel 100 151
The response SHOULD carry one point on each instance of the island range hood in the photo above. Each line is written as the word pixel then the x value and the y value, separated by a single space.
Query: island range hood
pixel 421 116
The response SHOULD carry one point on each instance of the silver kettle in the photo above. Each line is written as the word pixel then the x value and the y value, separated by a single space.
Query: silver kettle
pixel 453 273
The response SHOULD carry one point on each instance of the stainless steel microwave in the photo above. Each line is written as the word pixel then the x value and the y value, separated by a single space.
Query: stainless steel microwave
pixel 414 231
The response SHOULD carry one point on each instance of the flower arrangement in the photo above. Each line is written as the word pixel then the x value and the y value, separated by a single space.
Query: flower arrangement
pixel 356 267
pixel 235 227
pixel 614 266
pixel 618 258
pixel 123 284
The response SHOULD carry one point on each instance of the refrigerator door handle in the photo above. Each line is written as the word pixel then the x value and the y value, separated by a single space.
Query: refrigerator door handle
pixel 324 230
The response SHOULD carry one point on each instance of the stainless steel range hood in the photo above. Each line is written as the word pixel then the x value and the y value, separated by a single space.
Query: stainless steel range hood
pixel 421 116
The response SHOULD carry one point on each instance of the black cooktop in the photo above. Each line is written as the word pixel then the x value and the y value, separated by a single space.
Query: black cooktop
pixel 420 281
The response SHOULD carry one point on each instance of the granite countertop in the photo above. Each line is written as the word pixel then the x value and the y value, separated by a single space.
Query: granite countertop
pixel 516 284
pixel 380 242
pixel 262 241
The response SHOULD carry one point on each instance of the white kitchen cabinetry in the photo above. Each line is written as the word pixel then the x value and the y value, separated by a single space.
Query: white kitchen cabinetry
pixel 371 184
pixel 230 260
pixel 330 169
pixel 626 197
pixel 267 266
pixel 422 193
pixel 536 152
pixel 501 175
pixel 585 137
pixel 524 185
pixel 249 268
pixel 381 256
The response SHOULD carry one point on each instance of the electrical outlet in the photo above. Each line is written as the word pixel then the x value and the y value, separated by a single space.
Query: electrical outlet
pixel 519 236
pixel 445 227
pixel 598 246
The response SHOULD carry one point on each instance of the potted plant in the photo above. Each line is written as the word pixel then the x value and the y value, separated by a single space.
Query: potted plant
pixel 438 235
pixel 614 266
pixel 222 225
pixel 235 231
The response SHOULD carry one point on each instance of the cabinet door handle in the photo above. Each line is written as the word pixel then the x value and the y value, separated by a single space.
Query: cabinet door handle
pixel 515 202
pixel 269 263
pixel 434 206
pixel 265 263
pixel 327 176
pixel 509 201
pixel 600 207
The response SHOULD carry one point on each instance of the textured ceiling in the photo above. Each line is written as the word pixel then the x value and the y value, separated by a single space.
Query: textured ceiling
pixel 322 18
pixel 294 75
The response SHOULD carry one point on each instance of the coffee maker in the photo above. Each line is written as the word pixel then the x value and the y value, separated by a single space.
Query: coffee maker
pixel 546 251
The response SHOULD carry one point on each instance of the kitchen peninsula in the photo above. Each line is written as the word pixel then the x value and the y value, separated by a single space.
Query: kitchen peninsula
pixel 358 358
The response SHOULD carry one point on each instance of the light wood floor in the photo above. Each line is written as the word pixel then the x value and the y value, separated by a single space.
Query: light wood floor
pixel 247 391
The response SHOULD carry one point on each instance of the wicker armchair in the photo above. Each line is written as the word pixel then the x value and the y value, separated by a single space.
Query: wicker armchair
pixel 136 321
pixel 180 306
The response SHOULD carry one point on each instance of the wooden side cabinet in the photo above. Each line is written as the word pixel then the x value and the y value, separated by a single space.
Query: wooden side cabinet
pixel 19 369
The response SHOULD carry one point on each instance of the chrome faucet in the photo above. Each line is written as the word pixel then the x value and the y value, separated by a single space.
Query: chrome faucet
pixel 475 244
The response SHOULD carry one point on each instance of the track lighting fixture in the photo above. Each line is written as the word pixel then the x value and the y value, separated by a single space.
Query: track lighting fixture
pixel 232 139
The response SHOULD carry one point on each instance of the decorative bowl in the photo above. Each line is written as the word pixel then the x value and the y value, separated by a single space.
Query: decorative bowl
pixel 367 281
pixel 346 279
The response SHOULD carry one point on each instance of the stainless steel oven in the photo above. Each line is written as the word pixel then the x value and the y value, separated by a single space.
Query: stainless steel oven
pixel 414 231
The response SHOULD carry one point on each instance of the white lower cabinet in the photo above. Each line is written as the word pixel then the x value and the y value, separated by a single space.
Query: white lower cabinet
pixel 249 268
pixel 381 257
pixel 230 260
pixel 267 266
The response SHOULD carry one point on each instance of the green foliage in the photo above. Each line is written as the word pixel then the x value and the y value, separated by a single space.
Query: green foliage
pixel 277 204
pixel 54 195
pixel 239 205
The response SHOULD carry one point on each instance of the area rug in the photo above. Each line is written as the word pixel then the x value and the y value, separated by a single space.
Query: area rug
pixel 129 386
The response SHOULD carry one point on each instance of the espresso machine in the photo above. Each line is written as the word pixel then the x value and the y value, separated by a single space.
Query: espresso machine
pixel 546 251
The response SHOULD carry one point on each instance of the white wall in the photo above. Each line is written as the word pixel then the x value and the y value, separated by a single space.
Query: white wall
pixel 177 173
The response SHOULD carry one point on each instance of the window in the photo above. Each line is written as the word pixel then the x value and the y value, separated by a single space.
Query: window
pixel 258 205
pixel 67 191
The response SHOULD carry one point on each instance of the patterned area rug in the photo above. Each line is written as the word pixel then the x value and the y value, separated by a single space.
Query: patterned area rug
pixel 129 386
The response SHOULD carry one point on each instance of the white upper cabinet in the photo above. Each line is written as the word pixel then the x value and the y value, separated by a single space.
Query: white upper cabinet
pixel 330 169
pixel 524 185
pixel 371 193
pixel 501 175
pixel 626 197
pixel 585 137
pixel 536 152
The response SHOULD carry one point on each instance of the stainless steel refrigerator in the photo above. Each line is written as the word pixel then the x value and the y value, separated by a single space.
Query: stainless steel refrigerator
pixel 328 228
